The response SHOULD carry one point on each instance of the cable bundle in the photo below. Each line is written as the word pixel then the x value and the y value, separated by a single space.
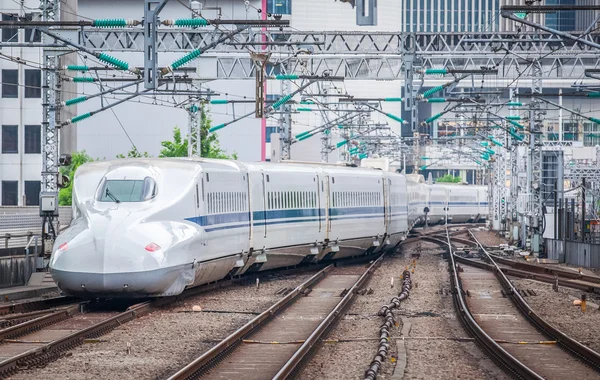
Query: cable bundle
pixel 384 330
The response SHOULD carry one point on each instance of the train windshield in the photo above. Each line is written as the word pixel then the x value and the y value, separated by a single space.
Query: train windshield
pixel 127 190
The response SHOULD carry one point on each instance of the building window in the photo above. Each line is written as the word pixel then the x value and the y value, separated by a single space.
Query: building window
pixel 10 191
pixel 10 34
pixel 269 131
pixel 10 83
pixel 33 139
pixel 32 193
pixel 279 7
pixel 10 139
pixel 32 34
pixel 33 84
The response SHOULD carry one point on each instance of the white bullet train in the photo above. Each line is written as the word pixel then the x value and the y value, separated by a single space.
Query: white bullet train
pixel 154 227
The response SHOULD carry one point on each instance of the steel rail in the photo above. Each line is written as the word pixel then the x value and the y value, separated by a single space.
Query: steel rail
pixel 589 356
pixel 24 307
pixel 38 323
pixel 496 352
pixel 304 351
pixel 212 356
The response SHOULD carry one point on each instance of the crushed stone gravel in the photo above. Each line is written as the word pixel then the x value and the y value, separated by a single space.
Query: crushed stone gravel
pixel 557 309
pixel 430 314
pixel 162 342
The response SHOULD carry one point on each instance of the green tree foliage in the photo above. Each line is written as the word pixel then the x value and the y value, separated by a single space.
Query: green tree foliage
pixel 448 178
pixel 134 153
pixel 209 146
pixel 65 195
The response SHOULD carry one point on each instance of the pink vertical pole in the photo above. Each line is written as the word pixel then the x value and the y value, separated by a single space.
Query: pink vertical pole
pixel 263 122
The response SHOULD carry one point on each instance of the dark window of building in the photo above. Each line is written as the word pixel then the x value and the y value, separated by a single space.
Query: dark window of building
pixel 10 139
pixel 10 83
pixel 269 131
pixel 32 34
pixel 10 34
pixel 33 84
pixel 33 139
pixel 10 196
pixel 279 7
pixel 32 193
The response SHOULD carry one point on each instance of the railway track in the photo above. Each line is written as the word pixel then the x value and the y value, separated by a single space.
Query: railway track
pixel 504 325
pixel 286 333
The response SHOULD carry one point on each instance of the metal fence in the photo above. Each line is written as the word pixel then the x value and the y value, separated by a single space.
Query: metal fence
pixel 19 224
pixel 574 252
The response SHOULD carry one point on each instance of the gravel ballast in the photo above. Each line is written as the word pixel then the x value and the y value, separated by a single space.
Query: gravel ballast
pixel 557 309
pixel 434 346
pixel 160 343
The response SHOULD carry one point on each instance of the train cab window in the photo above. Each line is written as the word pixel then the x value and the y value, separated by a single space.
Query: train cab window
pixel 127 190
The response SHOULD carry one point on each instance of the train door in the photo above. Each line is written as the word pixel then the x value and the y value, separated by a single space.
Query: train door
pixel 387 184
pixel 319 203
pixel 265 204
pixel 325 190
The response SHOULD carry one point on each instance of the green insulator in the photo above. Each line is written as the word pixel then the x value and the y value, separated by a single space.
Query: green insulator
pixel 521 15
pixel 80 99
pixel 364 155
pixel 80 117
pixel 520 126
pixel 595 120
pixel 113 61
pixel 303 109
pixel 514 104
pixel 436 100
pixel 432 91
pixel 433 118
pixel 217 127
pixel 423 168
pixel 110 23
pixel 186 58
pixel 593 94
pixel 341 143
pixel 478 162
pixel 392 99
pixel 394 117
pixel 483 143
pixel 191 22
pixel 341 126
pixel 513 118
pixel 219 101
pixel 302 134
pixel 287 76
pixel 305 137
pixel 424 158
pixel 193 108
pixel 77 68
pixel 496 142
pixel 307 102
pixel 282 101
pixel 436 71
pixel 83 80
pixel 485 157
pixel 489 151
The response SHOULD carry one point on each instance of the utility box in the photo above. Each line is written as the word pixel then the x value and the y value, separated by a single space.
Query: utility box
pixel 48 203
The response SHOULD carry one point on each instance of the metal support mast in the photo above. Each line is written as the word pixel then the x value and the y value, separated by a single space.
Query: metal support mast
pixel 286 122
pixel 49 191
pixel 534 169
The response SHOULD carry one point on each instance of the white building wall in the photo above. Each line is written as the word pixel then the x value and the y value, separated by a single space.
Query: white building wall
pixel 20 111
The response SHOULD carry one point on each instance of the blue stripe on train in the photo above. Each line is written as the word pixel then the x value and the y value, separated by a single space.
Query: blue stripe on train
pixel 272 217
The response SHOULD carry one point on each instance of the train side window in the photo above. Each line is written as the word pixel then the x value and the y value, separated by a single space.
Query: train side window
pixel 197 197
pixel 207 178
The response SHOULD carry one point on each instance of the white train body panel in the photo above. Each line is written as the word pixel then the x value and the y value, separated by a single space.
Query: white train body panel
pixel 184 222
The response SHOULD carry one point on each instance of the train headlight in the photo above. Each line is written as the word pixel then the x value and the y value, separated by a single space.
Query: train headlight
pixel 152 247
pixel 63 247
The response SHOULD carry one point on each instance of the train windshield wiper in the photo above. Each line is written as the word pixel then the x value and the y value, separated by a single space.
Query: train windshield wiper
pixel 111 196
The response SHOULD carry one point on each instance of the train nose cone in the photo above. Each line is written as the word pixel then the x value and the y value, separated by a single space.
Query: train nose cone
pixel 108 258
